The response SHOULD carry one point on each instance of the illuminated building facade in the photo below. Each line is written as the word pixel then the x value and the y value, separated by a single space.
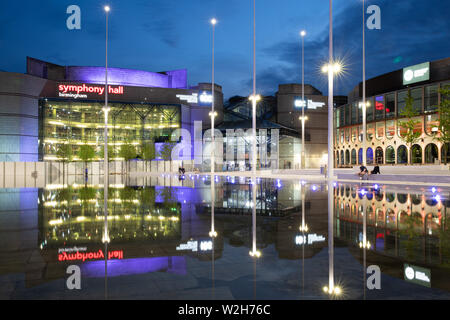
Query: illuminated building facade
pixel 386 99
pixel 53 105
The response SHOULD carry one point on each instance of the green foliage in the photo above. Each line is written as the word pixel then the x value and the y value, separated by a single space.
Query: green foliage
pixel 148 151
pixel 64 153
pixel 87 193
pixel 147 197
pixel 444 119
pixel 111 154
pixel 410 137
pixel 127 151
pixel 166 150
pixel 64 194
pixel 86 153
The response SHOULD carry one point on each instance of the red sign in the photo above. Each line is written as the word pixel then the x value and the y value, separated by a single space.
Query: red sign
pixel 81 90
pixel 83 256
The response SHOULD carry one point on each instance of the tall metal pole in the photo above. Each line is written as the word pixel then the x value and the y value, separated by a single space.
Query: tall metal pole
pixel 254 93
pixel 106 165
pixel 330 155
pixel 213 163
pixel 302 157
pixel 330 170
pixel 364 86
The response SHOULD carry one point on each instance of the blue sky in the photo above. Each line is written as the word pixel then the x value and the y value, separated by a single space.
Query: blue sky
pixel 158 35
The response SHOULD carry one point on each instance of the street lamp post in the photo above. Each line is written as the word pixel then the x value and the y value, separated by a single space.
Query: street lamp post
pixel 213 22
pixel 302 157
pixel 106 110
pixel 330 170
pixel 254 98
pixel 364 156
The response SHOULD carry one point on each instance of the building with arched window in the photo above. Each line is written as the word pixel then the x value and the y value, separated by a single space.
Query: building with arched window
pixel 385 100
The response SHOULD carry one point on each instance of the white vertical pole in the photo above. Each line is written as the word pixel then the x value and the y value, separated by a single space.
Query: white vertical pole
pixel 212 108
pixel 330 170
pixel 254 93
pixel 106 166
pixel 364 88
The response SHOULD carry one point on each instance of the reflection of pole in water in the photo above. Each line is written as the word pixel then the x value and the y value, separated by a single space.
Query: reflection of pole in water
pixel 331 289
pixel 254 253
pixel 213 232
pixel 303 229
pixel 364 244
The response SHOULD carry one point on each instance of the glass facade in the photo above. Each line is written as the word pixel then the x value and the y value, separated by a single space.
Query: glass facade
pixel 81 122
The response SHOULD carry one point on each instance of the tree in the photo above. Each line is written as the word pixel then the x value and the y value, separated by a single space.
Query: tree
pixel 86 153
pixel 166 150
pixel 101 153
pixel 410 136
pixel 442 134
pixel 127 152
pixel 148 151
pixel 65 154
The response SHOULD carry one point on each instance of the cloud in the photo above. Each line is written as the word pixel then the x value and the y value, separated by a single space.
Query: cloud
pixel 412 31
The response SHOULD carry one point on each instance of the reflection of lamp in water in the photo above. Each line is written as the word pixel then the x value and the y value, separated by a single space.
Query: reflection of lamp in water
pixel 254 253
pixel 331 289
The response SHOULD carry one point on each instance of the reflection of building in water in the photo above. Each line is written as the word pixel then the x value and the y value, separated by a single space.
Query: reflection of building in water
pixel 401 227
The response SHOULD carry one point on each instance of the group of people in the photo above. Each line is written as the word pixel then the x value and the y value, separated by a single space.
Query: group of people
pixel 364 173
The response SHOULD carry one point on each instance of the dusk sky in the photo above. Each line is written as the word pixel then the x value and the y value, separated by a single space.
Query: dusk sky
pixel 159 35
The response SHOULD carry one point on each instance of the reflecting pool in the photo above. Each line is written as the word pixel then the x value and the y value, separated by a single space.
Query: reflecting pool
pixel 197 237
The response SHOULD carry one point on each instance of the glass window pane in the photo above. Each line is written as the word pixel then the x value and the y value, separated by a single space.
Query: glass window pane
pixel 431 123
pixel 370 131
pixel 390 105
pixel 379 130
pixel 390 129
pixel 416 94
pixel 369 109
pixel 431 98
pixel 401 96
pixel 379 107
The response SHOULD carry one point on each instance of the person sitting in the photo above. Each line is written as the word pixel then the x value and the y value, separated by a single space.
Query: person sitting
pixel 363 171
pixel 375 170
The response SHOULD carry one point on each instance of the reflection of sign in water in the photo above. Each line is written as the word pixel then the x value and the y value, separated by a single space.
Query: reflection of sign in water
pixel 83 256
pixel 416 73
pixel 308 239
pixel 417 275
pixel 194 246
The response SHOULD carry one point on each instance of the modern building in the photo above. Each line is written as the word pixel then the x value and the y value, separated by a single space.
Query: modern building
pixel 51 105
pixel 386 96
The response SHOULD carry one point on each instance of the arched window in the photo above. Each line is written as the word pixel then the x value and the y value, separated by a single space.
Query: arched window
pixel 353 156
pixel 342 156
pixel 360 156
pixel 431 153
pixel 416 154
pixel 379 155
pixel 402 155
pixel 337 158
pixel 369 156
pixel 347 157
pixel 390 155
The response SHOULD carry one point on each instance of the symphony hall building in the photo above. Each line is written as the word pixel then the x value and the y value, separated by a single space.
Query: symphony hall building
pixel 51 105
pixel 386 95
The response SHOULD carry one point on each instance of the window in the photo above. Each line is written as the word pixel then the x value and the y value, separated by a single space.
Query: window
pixel 402 155
pixel 431 98
pixel 354 133
pixel 390 105
pixel 401 97
pixel 416 94
pixel 347 157
pixel 341 116
pixel 390 155
pixel 341 132
pixel 347 134
pixel 370 131
pixel 379 155
pixel 369 156
pixel 416 154
pixel 354 113
pixel 431 153
pixel 337 120
pixel 431 124
pixel 360 155
pixel 379 133
pixel 369 109
pixel 360 134
pixel 353 156
pixel 390 129
pixel 379 108
pixel 348 110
